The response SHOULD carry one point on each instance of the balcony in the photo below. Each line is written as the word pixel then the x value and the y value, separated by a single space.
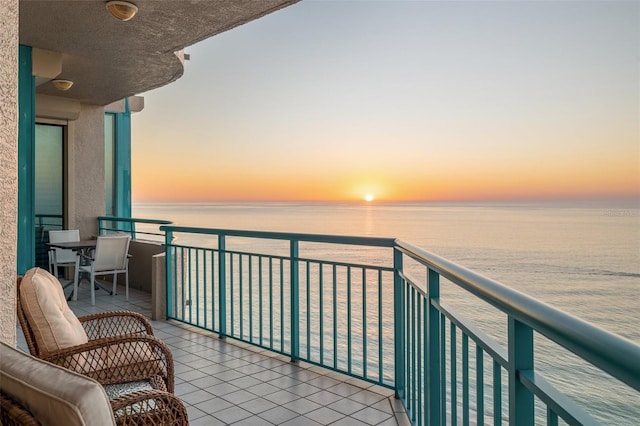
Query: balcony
pixel 229 382
pixel 379 331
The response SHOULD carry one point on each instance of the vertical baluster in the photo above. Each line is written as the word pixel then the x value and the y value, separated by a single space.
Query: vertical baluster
pixel 182 283
pixel 295 296
pixel 133 230
pixel 281 305
pixel 479 386
pixel 380 336
pixel 168 273
pixel 443 368
pixel 416 352
pixel 349 335
pixel 321 307
pixel 204 287
pixel 465 379
pixel 308 272
pixel 497 394
pixel 424 380
pixel 335 319
pixel 552 418
pixel 411 350
pixel 198 287
pixel 260 301
pixel 521 401
pixel 222 286
pixel 454 375
pixel 213 291
pixel 189 284
pixel 270 303
pixel 434 356
pixel 251 336
pixel 398 319
pixel 364 322
pixel 231 298
pixel 241 294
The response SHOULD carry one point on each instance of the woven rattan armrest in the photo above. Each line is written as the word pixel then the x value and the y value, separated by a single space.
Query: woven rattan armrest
pixel 119 359
pixel 150 407
pixel 13 414
pixel 115 323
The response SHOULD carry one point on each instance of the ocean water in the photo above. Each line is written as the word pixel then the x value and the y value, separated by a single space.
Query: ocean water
pixel 582 258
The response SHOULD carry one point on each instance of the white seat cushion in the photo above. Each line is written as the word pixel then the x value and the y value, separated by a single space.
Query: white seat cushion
pixel 52 394
pixel 54 325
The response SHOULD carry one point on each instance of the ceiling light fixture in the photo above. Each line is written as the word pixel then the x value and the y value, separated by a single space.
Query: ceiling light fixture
pixel 62 85
pixel 122 10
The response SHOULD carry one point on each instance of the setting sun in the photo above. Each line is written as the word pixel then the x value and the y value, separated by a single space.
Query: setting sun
pixel 368 198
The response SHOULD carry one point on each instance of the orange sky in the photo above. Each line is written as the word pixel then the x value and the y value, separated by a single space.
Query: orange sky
pixel 534 100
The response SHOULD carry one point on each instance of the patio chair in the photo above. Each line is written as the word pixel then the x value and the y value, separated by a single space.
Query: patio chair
pixel 111 257
pixel 36 392
pixel 60 257
pixel 117 348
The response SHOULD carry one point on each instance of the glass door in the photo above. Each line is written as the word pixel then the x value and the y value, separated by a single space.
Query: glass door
pixel 49 186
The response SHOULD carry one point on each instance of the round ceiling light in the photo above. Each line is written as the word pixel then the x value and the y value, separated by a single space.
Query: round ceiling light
pixel 62 85
pixel 122 10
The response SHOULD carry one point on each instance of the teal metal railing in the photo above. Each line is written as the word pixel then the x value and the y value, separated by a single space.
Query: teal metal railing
pixel 353 304
pixel 149 229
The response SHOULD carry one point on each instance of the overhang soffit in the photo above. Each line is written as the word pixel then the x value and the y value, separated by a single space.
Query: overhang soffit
pixel 108 59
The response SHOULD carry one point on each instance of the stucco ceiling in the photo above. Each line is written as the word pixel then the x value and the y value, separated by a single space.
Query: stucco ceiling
pixel 109 59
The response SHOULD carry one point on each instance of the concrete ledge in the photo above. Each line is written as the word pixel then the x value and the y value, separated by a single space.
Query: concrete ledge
pixel 159 288
pixel 140 266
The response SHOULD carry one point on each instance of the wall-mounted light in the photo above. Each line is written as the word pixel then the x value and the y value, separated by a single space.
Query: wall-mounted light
pixel 62 85
pixel 122 10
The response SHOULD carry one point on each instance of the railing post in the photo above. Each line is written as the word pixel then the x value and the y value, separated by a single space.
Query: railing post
pixel 521 402
pixel 222 286
pixel 433 366
pixel 295 301
pixel 398 321
pixel 168 237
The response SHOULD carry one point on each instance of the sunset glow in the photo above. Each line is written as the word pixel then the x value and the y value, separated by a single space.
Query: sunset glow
pixel 478 109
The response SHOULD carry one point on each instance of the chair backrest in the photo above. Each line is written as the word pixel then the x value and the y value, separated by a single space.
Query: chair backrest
pixel 24 323
pixel 47 322
pixel 111 253
pixel 67 235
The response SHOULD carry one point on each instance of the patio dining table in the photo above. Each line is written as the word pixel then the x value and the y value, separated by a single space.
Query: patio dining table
pixel 82 247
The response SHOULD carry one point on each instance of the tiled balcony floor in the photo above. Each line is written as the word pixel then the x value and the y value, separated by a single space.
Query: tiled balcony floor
pixel 225 382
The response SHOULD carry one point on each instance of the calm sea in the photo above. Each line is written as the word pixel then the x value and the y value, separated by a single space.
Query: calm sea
pixel 583 258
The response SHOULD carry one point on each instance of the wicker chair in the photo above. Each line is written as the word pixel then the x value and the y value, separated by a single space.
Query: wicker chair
pixel 14 414
pixel 121 349
pixel 34 392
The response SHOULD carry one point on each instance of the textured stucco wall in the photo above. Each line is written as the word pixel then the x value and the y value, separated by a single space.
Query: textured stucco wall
pixel 86 170
pixel 8 166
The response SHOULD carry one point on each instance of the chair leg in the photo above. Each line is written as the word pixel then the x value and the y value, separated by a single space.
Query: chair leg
pixel 75 279
pixel 115 283
pixel 126 281
pixel 93 288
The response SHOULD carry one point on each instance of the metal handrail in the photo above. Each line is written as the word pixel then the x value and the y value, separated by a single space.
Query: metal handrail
pixel 314 238
pixel 132 225
pixel 611 353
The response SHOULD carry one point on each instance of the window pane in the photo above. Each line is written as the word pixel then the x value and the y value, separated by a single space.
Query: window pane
pixel 49 194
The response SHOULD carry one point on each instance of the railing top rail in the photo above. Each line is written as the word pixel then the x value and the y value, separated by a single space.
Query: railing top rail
pixel 134 220
pixel 314 238
pixel 612 353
